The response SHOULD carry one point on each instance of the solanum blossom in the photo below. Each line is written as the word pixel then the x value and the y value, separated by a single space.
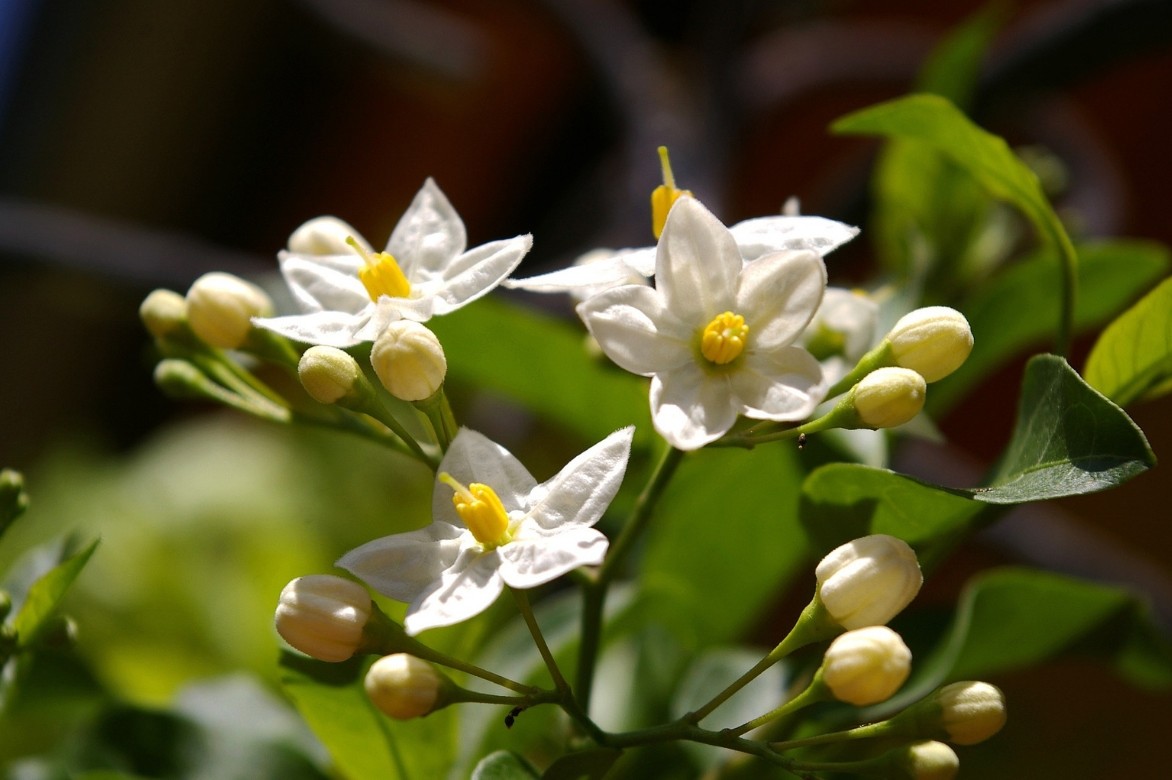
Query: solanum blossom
pixel 493 525
pixel 716 334
pixel 425 271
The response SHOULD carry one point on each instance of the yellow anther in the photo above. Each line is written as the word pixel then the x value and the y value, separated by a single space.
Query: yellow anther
pixel 724 338
pixel 381 275
pixel 481 510
pixel 665 195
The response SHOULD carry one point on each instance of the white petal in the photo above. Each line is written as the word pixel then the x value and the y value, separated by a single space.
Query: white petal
pixel 465 590
pixel 324 282
pixel 763 235
pixel 325 328
pixel 429 234
pixel 527 563
pixel 636 331
pixel 590 274
pixel 778 295
pixel 464 278
pixel 782 385
pixel 473 457
pixel 402 566
pixel 690 409
pixel 697 264
pixel 584 488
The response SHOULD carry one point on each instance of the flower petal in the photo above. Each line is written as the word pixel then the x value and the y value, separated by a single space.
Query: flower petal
pixel 591 273
pixel 635 330
pixel 429 234
pixel 326 328
pixel 324 282
pixel 464 590
pixel 473 457
pixel 763 235
pixel 527 563
pixel 783 385
pixel 464 278
pixel 690 408
pixel 402 566
pixel 697 263
pixel 778 295
pixel 579 493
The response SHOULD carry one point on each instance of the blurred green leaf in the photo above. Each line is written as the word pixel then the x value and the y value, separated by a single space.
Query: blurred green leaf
pixel 542 363
pixel 1068 440
pixel 951 70
pixel 1018 307
pixel 583 765
pixel 503 765
pixel 13 498
pixel 43 597
pixel 1133 356
pixel 359 738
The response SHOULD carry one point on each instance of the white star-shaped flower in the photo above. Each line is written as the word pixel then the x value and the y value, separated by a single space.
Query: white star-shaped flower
pixel 716 334
pixel 493 525
pixel 348 297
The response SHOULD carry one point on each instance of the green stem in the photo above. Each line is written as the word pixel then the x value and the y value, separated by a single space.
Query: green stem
pixel 559 681
pixel 815 692
pixel 594 594
pixel 867 731
pixel 439 413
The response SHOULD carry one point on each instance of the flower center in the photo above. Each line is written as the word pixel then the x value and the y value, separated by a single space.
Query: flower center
pixel 381 275
pixel 481 510
pixel 723 339
pixel 665 195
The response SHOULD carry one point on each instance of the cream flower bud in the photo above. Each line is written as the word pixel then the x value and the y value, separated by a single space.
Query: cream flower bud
pixel 971 712
pixel 163 312
pixel 323 616
pixel 328 374
pixel 888 397
pixel 866 666
pixel 868 581
pixel 927 761
pixel 325 236
pixel 409 360
pixel 220 308
pixel 933 341
pixel 403 686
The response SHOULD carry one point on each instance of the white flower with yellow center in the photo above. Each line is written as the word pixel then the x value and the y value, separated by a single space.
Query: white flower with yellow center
pixel 493 525
pixel 716 334
pixel 348 294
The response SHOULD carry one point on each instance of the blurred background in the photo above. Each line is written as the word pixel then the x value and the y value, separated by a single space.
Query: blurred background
pixel 145 143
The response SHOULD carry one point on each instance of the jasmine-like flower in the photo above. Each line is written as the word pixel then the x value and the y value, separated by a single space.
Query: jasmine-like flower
pixel 716 334
pixel 492 526
pixel 349 298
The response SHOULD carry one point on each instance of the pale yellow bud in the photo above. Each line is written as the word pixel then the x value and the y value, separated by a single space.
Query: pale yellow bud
pixel 866 666
pixel 409 361
pixel 220 308
pixel 971 712
pixel 888 397
pixel 868 581
pixel 933 341
pixel 325 236
pixel 163 312
pixel 328 374
pixel 927 761
pixel 323 616
pixel 403 686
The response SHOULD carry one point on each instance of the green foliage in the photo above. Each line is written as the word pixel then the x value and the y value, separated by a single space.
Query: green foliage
pixel 13 498
pixel 1133 357
pixel 503 765
pixel 46 593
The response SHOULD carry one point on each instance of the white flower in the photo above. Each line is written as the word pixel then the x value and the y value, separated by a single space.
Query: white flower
pixel 603 268
pixel 842 331
pixel 492 526
pixel 716 334
pixel 425 271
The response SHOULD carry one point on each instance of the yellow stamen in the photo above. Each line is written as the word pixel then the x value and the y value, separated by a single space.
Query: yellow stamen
pixel 381 275
pixel 724 338
pixel 665 195
pixel 481 510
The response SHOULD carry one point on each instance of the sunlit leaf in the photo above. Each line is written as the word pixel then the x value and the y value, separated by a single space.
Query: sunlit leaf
pixel 503 765
pixel 43 596
pixel 1133 357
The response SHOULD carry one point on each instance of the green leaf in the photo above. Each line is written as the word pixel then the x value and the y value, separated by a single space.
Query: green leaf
pixel 951 70
pixel 1018 307
pixel 1133 357
pixel 13 498
pixel 503 765
pixel 360 739
pixel 541 363
pixel 588 764
pixel 46 593
pixel 1068 440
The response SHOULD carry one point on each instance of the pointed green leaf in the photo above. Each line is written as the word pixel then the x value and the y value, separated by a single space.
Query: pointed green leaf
pixel 503 765
pixel 1133 357
pixel 1068 440
pixel 45 594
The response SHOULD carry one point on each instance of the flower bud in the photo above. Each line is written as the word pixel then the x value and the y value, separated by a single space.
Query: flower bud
pixel 403 686
pixel 866 666
pixel 926 761
pixel 933 341
pixel 328 374
pixel 970 712
pixel 163 312
pixel 888 397
pixel 325 236
pixel 220 308
pixel 323 616
pixel 409 361
pixel 868 581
